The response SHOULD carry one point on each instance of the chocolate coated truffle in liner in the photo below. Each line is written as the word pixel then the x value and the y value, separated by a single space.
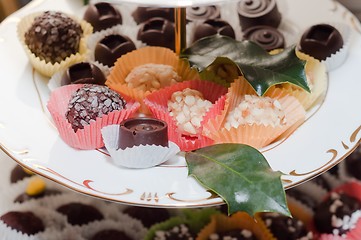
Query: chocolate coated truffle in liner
pixel 19 173
pixel 23 197
pixel 81 73
pixel 320 41
pixel 102 15
pixel 148 216
pixel 79 213
pixel 213 27
pixel 267 37
pixel 112 47
pixel 353 163
pixel 25 222
pixel 142 14
pixel 258 12
pixel 53 36
pixel 196 13
pixel 142 131
pixel 110 234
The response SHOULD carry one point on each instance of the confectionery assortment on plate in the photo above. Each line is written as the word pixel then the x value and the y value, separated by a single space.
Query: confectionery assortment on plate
pixel 116 84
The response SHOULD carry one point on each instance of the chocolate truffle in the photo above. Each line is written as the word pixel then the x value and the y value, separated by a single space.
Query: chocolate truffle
pixel 148 216
pixel 142 131
pixel 203 13
pixel 267 37
pixel 157 32
pixel 81 73
pixel 320 41
pixel 25 222
pixel 353 164
pixel 23 197
pixel 102 15
pixel 112 47
pixel 142 14
pixel 79 213
pixel 53 36
pixel 337 215
pixel 322 182
pixel 110 234
pixel 302 197
pixel 19 173
pixel 258 12
pixel 180 232
pixel 213 27
pixel 90 102
pixel 234 234
pixel 284 228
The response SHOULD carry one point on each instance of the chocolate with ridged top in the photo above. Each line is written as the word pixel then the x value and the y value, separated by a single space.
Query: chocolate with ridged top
pixel 258 12
pixel 157 32
pixel 102 15
pixel 142 131
pixel 213 27
pixel 79 213
pixel 267 37
pixel 82 73
pixel 196 13
pixel 110 234
pixel 53 36
pixel 112 47
pixel 320 41
pixel 143 14
pixel 25 222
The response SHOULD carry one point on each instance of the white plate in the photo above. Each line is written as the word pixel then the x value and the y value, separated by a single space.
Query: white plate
pixel 28 136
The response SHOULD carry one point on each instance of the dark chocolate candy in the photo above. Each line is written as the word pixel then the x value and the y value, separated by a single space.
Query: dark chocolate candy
pixel 304 198
pixel 238 234
pixel 320 41
pixel 79 213
pixel 25 222
pixel 18 173
pixel 90 102
pixel 258 12
pixel 353 163
pixel 110 234
pixel 180 232
pixel 142 131
pixel 157 32
pixel 142 14
pixel 203 13
pixel 213 27
pixel 81 73
pixel 148 216
pixel 102 15
pixel 23 197
pixel 112 47
pixel 284 228
pixel 337 214
pixel 53 36
pixel 267 37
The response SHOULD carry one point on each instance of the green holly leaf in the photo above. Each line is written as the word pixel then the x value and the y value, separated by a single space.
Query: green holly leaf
pixel 260 68
pixel 241 176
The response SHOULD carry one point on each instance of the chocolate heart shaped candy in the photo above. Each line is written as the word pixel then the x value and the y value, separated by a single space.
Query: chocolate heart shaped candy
pixel 81 73
pixel 102 15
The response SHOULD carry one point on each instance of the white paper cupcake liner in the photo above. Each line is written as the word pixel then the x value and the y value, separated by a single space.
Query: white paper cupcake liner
pixel 137 156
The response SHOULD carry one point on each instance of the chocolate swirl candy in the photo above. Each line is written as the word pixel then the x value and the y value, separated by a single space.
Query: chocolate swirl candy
pixel 267 37
pixel 102 15
pixel 213 27
pixel 112 47
pixel 142 14
pixel 258 12
pixel 203 13
pixel 142 131
pixel 83 72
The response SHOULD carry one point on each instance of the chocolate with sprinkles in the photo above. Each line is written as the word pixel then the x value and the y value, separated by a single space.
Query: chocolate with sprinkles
pixel 53 36
pixel 90 102
pixel 239 234
pixel 180 232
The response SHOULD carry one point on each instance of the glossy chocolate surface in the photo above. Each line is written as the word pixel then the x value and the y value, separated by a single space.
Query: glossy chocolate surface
pixel 213 27
pixel 267 37
pixel 142 14
pixel 83 72
pixel 102 15
pixel 320 41
pixel 142 131
pixel 112 47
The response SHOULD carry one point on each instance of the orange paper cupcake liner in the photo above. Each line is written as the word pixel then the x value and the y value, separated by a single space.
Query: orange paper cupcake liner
pixel 157 103
pixel 240 220
pixel 47 68
pixel 90 137
pixel 155 55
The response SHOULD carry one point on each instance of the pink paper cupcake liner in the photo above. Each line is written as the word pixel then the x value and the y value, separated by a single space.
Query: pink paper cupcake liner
pixel 157 104
pixel 90 137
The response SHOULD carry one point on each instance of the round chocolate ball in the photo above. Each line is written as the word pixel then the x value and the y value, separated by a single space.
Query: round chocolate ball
pixel 157 32
pixel 142 131
pixel 213 27
pixel 25 222
pixel 110 234
pixel 112 47
pixel 79 213
pixel 142 14
pixel 90 102
pixel 81 73
pixel 197 13
pixel 320 41
pixel 267 37
pixel 53 36
pixel 102 15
